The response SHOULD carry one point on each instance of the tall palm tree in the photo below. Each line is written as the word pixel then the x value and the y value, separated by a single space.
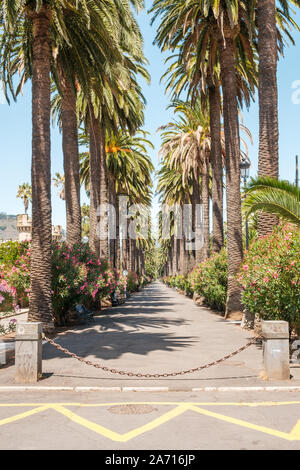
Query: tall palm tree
pixel 119 104
pixel 37 25
pixel 226 26
pixel 38 17
pixel 186 143
pixel 174 190
pixel 268 161
pixel 129 174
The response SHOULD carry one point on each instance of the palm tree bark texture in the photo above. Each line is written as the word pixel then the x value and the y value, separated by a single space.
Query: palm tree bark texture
pixel 40 308
pixel 94 180
pixel 233 191
pixel 103 197
pixel 268 101
pixel 217 168
pixel 71 160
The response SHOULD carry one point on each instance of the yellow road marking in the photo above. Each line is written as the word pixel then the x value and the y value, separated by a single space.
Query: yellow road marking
pixel 23 415
pixel 115 436
pixel 294 435
pixel 179 409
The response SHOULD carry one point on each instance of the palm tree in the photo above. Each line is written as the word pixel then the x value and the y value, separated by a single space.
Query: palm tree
pixel 272 196
pixel 41 19
pixel 119 104
pixel 25 193
pixel 268 161
pixel 186 143
pixel 59 182
pixel 226 26
pixel 129 174
pixel 174 190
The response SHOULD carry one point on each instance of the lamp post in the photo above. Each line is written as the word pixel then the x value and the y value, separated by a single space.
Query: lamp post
pixel 245 172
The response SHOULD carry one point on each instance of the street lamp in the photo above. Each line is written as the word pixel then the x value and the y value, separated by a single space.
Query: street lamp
pixel 245 173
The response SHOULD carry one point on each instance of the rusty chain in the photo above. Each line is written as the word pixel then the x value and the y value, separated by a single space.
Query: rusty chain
pixel 149 376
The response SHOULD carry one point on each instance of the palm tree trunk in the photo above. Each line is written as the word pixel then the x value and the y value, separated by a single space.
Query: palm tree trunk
pixel 142 262
pixel 233 191
pixel 217 169
pixel 178 256
pixel 268 101
pixel 125 254
pixel 205 203
pixel 112 202
pixel 103 197
pixel 170 257
pixel 118 254
pixel 133 255
pixel 71 161
pixel 40 308
pixel 196 203
pixel 183 250
pixel 174 251
pixel 94 181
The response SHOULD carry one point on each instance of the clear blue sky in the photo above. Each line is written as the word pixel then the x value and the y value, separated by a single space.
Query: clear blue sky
pixel 16 125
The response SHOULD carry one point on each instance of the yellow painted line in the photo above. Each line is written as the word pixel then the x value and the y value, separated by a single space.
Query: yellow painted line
pixel 23 415
pixel 294 435
pixel 115 436
pixel 179 409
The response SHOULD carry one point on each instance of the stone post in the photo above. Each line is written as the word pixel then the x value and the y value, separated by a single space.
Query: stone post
pixel 28 352
pixel 276 349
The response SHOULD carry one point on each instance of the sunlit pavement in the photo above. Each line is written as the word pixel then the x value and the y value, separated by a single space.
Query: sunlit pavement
pixel 130 421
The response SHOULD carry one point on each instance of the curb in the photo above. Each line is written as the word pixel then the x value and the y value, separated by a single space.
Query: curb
pixel 30 388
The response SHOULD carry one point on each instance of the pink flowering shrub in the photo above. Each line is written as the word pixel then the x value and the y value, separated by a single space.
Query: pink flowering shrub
pixel 7 297
pixel 132 282
pixel 17 276
pixel 270 276
pixel 78 277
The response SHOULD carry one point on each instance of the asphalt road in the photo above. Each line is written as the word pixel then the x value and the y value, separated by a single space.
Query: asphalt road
pixel 149 421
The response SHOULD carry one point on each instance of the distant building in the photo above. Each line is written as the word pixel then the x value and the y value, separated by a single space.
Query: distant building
pixel 24 228
pixel 18 228
pixel 8 227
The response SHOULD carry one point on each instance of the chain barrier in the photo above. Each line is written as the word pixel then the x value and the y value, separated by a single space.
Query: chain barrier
pixel 149 376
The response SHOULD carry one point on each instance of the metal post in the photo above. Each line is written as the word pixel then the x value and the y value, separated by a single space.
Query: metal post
pixel 28 352
pixel 276 349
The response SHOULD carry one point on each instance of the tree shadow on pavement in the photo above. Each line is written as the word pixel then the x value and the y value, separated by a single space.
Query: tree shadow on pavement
pixel 114 344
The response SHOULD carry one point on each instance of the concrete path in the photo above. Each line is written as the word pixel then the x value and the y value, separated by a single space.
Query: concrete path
pixel 134 421
pixel 156 331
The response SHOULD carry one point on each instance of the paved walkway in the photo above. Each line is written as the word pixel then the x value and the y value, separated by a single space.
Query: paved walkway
pixel 156 331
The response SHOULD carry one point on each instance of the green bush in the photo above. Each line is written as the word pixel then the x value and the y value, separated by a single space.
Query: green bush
pixel 182 282
pixel 78 277
pixel 132 282
pixel 209 279
pixel 12 251
pixel 270 276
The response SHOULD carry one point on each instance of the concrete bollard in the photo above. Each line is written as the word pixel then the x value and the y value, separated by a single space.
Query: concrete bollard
pixel 28 352
pixel 276 350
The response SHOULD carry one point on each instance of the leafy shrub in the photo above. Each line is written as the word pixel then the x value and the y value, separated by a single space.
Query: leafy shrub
pixel 78 277
pixel 132 282
pixel 7 297
pixel 209 279
pixel 270 276
pixel 17 275
pixel 10 252
pixel 182 282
